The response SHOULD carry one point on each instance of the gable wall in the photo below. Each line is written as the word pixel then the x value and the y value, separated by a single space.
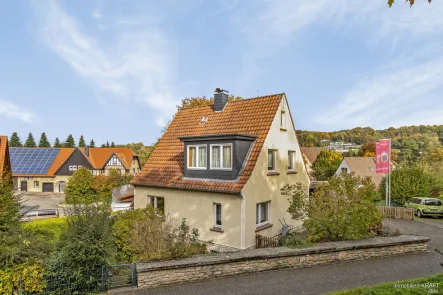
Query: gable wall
pixel 261 187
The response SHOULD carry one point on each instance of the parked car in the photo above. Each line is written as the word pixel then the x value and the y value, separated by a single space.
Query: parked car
pixel 426 207
pixel 41 214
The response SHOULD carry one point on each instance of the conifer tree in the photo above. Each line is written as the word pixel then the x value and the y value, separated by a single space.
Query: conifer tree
pixel 44 141
pixel 57 143
pixel 112 144
pixel 70 142
pixel 92 143
pixel 81 141
pixel 30 142
pixel 14 141
pixel 107 144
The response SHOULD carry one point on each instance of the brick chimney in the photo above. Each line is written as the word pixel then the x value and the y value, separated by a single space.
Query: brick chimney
pixel 87 151
pixel 220 99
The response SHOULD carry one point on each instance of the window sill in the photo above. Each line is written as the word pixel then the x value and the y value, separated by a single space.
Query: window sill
pixel 262 227
pixel 217 229
pixel 273 173
pixel 292 172
pixel 283 129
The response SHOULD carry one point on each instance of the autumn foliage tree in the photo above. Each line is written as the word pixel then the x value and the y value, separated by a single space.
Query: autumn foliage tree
pixel 326 164
pixel 411 2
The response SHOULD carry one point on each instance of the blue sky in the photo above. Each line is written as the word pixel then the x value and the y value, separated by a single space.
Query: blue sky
pixel 115 70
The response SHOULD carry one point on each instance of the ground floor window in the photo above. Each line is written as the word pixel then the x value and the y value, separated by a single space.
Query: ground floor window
pixel 262 213
pixel 217 215
pixel 36 184
pixel 62 186
pixel 158 203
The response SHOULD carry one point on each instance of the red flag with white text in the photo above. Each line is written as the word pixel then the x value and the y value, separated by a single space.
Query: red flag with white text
pixel 382 156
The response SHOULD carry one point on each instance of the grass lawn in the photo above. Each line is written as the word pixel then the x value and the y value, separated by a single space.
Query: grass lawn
pixel 394 288
pixel 53 225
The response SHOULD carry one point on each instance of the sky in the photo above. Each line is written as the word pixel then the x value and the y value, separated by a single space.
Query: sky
pixel 115 70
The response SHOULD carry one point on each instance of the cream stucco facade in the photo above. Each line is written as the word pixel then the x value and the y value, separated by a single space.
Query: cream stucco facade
pixel 31 181
pixel 239 210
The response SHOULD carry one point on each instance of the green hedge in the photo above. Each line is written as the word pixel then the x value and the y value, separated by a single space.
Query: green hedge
pixel 53 225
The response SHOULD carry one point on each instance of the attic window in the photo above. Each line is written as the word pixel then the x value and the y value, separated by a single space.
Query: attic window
pixel 283 119
pixel 204 120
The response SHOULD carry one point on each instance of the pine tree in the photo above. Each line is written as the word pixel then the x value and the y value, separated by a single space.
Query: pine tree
pixel 112 144
pixel 57 143
pixel 70 142
pixel 81 141
pixel 44 141
pixel 15 140
pixel 103 145
pixel 107 144
pixel 30 142
pixel 92 144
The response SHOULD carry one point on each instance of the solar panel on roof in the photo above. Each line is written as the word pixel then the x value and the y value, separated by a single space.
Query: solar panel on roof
pixel 32 160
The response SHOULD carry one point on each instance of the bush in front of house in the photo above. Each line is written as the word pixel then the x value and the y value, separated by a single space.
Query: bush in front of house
pixel 53 225
pixel 143 235
pixel 341 209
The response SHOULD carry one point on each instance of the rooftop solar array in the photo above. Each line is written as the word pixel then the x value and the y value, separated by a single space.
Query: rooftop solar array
pixel 32 160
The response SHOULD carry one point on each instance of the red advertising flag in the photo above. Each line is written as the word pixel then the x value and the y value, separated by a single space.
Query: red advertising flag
pixel 382 156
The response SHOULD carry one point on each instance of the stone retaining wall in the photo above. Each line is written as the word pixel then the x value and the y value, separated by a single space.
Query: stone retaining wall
pixel 250 261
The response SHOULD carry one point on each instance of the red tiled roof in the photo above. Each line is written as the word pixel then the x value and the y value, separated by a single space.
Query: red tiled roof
pixel 5 161
pixel 98 157
pixel 166 164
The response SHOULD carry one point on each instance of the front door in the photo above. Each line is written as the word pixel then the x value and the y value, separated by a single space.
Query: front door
pixel 61 188
pixel 24 186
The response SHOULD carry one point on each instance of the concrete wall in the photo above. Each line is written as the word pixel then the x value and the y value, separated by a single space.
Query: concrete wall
pixel 197 208
pixel 261 187
pixel 253 261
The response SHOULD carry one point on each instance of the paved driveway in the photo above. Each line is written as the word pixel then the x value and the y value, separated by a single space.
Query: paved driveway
pixel 322 279
pixel 42 201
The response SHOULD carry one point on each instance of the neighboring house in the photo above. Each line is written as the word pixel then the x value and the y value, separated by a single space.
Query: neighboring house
pixel 5 161
pixel 105 159
pixel 49 169
pixel 310 154
pixel 361 166
pixel 122 198
pixel 222 168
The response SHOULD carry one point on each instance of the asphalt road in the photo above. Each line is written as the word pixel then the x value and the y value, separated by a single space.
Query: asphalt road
pixel 322 279
pixel 33 201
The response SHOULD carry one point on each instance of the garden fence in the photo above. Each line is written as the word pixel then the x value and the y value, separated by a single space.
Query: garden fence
pixel 397 212
pixel 266 242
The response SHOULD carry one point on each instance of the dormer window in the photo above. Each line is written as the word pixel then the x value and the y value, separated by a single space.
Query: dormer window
pixel 197 156
pixel 221 156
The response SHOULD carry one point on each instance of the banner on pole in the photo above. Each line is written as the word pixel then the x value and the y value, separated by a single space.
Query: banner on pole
pixel 382 156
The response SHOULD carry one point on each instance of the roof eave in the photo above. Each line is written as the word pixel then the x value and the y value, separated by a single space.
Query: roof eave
pixel 189 189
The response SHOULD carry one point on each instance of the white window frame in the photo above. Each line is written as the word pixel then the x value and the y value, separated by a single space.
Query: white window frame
pixel 197 151
pixel 293 160
pixel 274 151
pixel 79 167
pixel 214 206
pixel 73 168
pixel 268 204
pixel 221 145
pixel 36 184
pixel 344 170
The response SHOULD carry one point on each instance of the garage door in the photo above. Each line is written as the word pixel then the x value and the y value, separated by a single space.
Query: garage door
pixel 48 187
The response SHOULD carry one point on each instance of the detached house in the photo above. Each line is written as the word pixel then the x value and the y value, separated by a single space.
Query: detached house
pixel 361 166
pixel 222 168
pixel 49 169
pixel 5 161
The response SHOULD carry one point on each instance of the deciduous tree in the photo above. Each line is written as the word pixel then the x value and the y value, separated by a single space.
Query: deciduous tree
pixel 326 164
pixel 79 189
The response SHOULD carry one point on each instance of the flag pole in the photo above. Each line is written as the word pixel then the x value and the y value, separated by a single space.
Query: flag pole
pixel 389 172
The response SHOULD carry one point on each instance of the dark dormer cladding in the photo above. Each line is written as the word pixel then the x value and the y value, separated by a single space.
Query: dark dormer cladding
pixel 219 157
pixel 220 99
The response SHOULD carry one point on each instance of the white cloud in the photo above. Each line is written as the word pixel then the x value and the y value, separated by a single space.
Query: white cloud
pixel 137 66
pixel 10 110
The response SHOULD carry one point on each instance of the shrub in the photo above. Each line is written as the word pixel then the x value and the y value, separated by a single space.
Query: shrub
pixel 79 189
pixel 85 246
pixel 295 240
pixel 32 279
pixel 143 235
pixel 52 225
